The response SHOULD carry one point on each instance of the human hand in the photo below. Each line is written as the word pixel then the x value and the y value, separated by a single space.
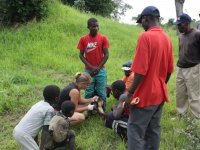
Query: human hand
pixel 94 71
pixel 108 90
pixel 128 98
pixel 135 101
pixel 90 107
pixel 95 98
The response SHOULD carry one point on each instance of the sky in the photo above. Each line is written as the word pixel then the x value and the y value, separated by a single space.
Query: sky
pixel 166 8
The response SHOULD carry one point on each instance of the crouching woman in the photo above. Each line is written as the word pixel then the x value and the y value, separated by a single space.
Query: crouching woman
pixel 72 92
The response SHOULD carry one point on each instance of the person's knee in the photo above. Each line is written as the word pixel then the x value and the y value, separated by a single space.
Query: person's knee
pixel 81 118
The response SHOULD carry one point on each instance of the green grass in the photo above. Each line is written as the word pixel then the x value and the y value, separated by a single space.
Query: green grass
pixel 37 54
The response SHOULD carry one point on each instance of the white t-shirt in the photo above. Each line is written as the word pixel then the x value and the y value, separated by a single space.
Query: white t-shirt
pixel 40 114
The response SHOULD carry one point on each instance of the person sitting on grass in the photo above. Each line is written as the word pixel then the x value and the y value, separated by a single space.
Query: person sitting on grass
pixel 128 74
pixel 60 136
pixel 118 118
pixel 72 92
pixel 37 118
pixel 127 77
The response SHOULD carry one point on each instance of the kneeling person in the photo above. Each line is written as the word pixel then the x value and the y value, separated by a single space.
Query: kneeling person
pixel 118 118
pixel 60 136
pixel 37 119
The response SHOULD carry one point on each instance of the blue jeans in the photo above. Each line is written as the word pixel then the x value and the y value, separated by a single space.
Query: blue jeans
pixel 98 86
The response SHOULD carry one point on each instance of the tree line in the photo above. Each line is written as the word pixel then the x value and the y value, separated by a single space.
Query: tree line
pixel 21 11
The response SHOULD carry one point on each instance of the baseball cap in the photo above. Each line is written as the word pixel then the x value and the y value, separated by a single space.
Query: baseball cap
pixel 183 18
pixel 127 65
pixel 149 11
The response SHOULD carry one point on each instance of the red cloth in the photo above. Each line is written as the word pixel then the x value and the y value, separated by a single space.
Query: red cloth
pixel 127 112
pixel 93 47
pixel 154 60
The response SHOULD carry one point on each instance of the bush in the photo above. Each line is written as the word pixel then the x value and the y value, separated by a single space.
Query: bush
pixel 21 11
pixel 80 4
pixel 106 8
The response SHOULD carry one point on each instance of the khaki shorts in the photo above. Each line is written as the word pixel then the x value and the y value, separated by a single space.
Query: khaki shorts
pixel 188 90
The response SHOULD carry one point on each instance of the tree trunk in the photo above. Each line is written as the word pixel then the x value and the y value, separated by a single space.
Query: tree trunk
pixel 179 7
pixel 179 10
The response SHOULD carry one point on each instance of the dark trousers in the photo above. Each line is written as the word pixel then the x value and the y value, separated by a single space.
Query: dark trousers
pixel 119 126
pixel 144 128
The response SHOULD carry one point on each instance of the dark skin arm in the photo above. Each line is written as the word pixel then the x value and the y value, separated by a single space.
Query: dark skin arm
pixel 45 133
pixel 118 110
pixel 168 77
pixel 94 69
pixel 105 58
pixel 83 59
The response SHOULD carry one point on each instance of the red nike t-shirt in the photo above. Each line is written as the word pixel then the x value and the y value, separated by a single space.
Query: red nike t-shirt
pixel 93 47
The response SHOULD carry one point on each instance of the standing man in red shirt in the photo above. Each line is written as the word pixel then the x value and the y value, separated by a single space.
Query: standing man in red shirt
pixel 152 65
pixel 94 54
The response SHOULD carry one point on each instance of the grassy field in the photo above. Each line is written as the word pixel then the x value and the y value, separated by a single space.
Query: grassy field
pixel 37 54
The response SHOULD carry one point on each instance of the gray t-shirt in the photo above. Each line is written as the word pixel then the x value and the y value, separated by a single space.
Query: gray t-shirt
pixel 189 49
pixel 40 114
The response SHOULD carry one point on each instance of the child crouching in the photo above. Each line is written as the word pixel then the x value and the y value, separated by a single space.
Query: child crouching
pixel 60 136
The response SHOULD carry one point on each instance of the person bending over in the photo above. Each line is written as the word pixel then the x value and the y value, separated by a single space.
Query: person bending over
pixel 37 118
pixel 72 92
pixel 60 136
pixel 118 118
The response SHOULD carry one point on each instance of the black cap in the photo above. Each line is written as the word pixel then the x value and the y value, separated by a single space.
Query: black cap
pixel 127 65
pixel 183 18
pixel 149 11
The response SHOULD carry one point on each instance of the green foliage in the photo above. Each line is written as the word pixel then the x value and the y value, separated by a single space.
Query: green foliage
pixel 106 8
pixel 120 9
pixel 80 4
pixel 170 22
pixel 23 11
pixel 69 2
pixel 101 7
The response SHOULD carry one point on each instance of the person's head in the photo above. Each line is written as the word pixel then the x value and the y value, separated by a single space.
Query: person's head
pixel 118 87
pixel 149 17
pixel 83 80
pixel 183 23
pixel 51 94
pixel 68 108
pixel 93 26
pixel 127 68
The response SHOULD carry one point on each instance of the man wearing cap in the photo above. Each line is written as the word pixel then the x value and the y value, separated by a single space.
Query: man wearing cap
pixel 128 75
pixel 152 65
pixel 188 67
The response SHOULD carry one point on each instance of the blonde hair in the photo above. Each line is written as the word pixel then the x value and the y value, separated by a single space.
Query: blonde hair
pixel 82 77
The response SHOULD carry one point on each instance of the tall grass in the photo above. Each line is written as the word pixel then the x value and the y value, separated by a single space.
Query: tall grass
pixel 37 54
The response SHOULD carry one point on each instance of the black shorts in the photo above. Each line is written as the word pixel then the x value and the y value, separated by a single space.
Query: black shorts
pixel 119 126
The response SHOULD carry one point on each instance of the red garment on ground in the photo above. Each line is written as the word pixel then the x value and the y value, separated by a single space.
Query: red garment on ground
pixel 154 60
pixel 93 47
